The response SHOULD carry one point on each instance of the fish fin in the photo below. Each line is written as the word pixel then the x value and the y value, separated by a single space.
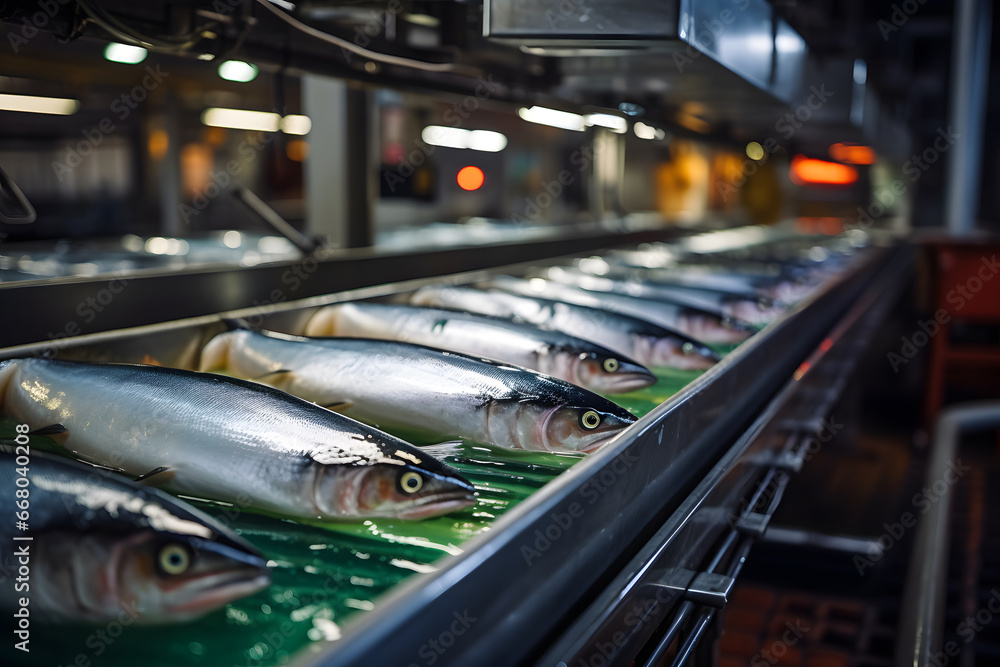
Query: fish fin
pixel 237 324
pixel 156 477
pixel 339 406
pixel 56 432
pixel 275 378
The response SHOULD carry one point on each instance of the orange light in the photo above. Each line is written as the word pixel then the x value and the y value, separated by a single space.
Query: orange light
pixel 852 153
pixel 809 171
pixel 470 178
pixel 159 142
pixel 297 150
pixel 800 371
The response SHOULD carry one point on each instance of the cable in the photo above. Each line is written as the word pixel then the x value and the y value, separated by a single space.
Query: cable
pixel 354 48
pixel 128 35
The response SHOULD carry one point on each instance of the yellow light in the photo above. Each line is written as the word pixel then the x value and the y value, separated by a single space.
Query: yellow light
pixel 295 124
pixel 241 119
pixel 755 151
pixel 57 106
pixel 564 120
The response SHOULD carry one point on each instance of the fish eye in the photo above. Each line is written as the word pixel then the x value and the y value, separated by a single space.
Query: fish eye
pixel 174 559
pixel 411 482
pixel 590 420
pixel 687 348
pixel 611 365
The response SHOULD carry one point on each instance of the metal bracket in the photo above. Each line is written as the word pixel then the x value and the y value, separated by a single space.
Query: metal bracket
pixel 709 589
pixel 753 524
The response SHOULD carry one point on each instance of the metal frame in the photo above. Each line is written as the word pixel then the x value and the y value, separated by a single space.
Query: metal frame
pixel 617 498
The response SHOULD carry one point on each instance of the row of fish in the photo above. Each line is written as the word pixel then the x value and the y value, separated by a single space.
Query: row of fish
pixel 321 425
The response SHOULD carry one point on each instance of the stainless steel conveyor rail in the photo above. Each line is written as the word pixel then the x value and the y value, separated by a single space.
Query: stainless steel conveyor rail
pixel 922 623
pixel 663 602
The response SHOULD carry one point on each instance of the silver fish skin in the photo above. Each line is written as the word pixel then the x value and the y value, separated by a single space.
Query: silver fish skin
pixel 425 393
pixel 732 305
pixel 231 440
pixel 648 343
pixel 708 327
pixel 554 353
pixel 102 545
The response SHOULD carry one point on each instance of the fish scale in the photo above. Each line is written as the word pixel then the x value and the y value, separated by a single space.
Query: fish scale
pixel 423 392
pixel 220 438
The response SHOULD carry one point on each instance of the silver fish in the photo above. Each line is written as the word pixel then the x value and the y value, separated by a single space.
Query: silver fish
pixel 554 353
pixel 708 327
pixel 102 546
pixel 730 304
pixel 424 393
pixel 650 344
pixel 215 437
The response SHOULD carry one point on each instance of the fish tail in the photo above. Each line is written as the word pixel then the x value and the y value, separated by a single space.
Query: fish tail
pixel 7 370
pixel 323 323
pixel 215 355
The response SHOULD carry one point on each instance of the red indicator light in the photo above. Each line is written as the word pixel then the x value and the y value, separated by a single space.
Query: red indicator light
pixel 826 345
pixel 809 171
pixel 470 178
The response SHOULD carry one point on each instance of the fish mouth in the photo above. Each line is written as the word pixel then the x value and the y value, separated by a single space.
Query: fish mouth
pixel 620 384
pixel 438 505
pixel 600 442
pixel 222 588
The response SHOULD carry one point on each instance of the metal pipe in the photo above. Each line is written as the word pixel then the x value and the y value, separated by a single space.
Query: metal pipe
pixel 921 628
pixel 969 87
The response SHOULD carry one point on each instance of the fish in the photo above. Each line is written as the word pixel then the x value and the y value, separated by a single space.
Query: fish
pixel 647 343
pixel 209 436
pixel 734 305
pixel 425 393
pixel 700 324
pixel 554 353
pixel 100 546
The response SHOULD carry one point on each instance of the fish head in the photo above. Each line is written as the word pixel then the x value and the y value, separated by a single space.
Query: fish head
pixel 677 352
pixel 610 373
pixel 176 577
pixel 580 426
pixel 401 481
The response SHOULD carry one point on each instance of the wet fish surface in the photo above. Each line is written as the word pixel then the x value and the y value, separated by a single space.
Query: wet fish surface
pixel 648 343
pixel 703 325
pixel 554 353
pixel 426 393
pixel 100 546
pixel 222 438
